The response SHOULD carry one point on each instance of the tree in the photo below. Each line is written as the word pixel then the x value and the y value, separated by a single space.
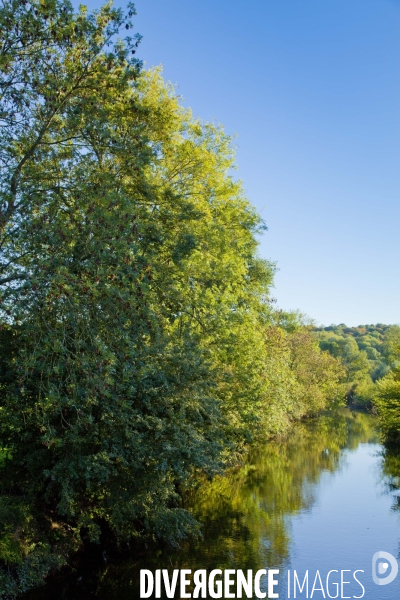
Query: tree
pixel 368 353
pixel 387 402
pixel 138 343
pixel 317 373
pixel 391 344
pixel 129 282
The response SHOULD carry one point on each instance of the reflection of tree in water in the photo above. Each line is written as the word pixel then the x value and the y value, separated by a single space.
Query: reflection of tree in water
pixel 244 513
pixel 391 472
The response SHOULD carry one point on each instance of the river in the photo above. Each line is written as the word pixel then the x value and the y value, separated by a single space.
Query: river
pixel 325 498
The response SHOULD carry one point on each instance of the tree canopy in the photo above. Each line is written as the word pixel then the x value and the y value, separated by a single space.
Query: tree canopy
pixel 138 343
pixel 367 352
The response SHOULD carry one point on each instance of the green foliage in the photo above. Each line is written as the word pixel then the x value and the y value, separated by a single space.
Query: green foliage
pixel 391 344
pixel 387 402
pixel 138 345
pixel 129 281
pixel 245 513
pixel 368 353
pixel 29 549
pixel 302 379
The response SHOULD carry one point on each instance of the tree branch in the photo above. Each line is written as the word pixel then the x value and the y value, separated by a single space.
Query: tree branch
pixel 13 278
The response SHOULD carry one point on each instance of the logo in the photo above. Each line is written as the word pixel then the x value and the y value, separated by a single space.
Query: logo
pixel 380 564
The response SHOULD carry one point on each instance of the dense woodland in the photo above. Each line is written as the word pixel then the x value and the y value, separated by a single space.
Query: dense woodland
pixel 368 353
pixel 139 346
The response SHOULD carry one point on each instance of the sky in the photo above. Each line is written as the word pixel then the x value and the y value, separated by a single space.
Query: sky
pixel 311 88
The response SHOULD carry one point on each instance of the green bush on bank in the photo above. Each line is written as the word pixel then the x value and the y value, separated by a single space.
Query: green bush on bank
pixel 387 402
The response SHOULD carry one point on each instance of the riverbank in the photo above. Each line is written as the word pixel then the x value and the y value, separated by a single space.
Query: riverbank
pixel 267 512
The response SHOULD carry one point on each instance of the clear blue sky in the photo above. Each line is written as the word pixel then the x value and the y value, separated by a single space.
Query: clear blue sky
pixel 312 89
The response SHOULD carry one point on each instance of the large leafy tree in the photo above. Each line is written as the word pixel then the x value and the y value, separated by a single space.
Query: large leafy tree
pixel 138 345
pixel 132 299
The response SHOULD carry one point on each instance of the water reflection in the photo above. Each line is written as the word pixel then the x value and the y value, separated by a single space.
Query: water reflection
pixel 391 474
pixel 245 514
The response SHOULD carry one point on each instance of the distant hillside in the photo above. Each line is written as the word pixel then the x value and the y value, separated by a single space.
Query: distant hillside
pixel 369 352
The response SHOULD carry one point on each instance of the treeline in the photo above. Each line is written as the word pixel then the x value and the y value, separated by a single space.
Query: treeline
pixel 367 352
pixel 370 355
pixel 138 344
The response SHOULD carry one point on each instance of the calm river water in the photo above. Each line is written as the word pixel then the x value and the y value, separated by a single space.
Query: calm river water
pixel 324 499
